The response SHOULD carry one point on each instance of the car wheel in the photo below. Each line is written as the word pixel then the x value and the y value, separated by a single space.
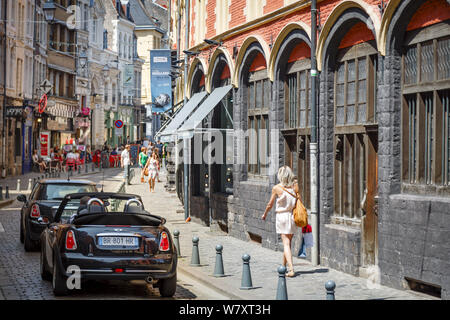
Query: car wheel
pixel 58 280
pixel 45 275
pixel 167 287
pixel 29 244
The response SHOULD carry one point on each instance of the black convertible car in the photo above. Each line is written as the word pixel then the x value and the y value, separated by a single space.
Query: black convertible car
pixel 41 206
pixel 111 237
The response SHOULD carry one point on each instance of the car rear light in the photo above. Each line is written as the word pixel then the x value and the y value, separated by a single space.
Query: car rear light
pixel 71 243
pixel 164 242
pixel 35 212
pixel 118 270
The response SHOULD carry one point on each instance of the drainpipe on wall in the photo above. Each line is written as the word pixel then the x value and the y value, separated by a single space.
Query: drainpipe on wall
pixel 185 141
pixel 314 145
pixel 4 92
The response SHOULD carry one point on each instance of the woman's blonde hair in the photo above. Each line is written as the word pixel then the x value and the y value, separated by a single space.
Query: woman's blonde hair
pixel 286 176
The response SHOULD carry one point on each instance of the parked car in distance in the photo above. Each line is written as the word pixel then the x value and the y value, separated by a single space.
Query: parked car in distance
pixel 112 237
pixel 40 207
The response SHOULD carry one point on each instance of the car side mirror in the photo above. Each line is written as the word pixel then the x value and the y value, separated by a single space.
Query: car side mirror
pixel 22 198
pixel 163 221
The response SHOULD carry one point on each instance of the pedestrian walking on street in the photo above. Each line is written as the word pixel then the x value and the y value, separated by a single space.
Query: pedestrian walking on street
pixel 125 162
pixel 152 164
pixel 158 166
pixel 143 157
pixel 284 194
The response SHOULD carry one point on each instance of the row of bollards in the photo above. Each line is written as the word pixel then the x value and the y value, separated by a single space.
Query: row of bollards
pixel 246 280
pixel 32 181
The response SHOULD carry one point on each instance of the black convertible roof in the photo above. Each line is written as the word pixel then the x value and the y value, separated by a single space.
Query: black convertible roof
pixel 103 195
pixel 99 195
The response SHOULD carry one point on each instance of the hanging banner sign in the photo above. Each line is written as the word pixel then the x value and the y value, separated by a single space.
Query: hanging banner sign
pixel 44 140
pixel 161 82
pixel 128 79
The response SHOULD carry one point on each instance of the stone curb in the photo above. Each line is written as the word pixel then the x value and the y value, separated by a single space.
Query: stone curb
pixel 200 278
pixel 6 203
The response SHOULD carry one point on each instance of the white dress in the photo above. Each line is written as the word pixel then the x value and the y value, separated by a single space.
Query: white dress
pixel 284 218
pixel 152 169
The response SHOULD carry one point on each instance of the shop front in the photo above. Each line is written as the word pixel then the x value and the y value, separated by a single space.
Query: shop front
pixel 59 122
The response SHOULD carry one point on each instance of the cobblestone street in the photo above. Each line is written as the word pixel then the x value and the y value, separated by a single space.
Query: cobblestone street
pixel 19 270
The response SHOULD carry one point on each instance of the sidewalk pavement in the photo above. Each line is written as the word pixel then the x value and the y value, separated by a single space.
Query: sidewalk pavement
pixel 308 284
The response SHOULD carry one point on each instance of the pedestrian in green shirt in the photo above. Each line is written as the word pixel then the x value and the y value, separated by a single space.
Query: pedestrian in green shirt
pixel 142 161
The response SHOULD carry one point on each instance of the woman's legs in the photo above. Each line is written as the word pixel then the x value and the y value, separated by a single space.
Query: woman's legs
pixel 153 183
pixel 287 253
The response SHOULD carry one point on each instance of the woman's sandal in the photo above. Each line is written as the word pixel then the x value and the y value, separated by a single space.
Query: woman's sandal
pixel 291 273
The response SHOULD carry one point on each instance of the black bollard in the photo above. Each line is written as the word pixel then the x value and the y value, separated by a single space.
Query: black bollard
pixel 176 235
pixel 330 286
pixel 218 269
pixel 282 290
pixel 195 259
pixel 246 282
pixel 7 192
pixel 1 193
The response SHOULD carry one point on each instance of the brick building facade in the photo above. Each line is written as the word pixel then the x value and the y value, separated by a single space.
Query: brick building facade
pixel 383 119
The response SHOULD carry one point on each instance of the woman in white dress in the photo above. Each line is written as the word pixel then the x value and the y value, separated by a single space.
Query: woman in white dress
pixel 284 194
pixel 152 165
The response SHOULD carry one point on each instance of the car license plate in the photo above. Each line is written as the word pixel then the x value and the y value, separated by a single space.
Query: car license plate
pixel 118 241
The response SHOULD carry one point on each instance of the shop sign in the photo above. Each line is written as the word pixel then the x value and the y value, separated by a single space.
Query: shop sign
pixel 57 125
pixel 44 140
pixel 14 111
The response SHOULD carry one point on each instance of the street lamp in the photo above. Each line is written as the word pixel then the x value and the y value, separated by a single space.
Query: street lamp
pixel 213 42
pixel 82 58
pixel 49 11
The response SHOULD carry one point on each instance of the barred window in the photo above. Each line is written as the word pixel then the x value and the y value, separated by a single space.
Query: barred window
pixel 355 140
pixel 258 122
pixel 297 132
pixel 425 115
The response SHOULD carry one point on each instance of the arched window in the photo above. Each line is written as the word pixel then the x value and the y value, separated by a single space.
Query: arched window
pixel 426 108
pixel 355 129
pixel 258 104
pixel 297 115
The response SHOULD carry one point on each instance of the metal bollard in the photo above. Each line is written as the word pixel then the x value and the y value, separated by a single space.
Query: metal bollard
pixel 79 169
pixel 93 167
pixel 246 282
pixel 85 167
pixel 330 286
pixel 218 269
pixel 1 193
pixel 59 174
pixel 282 290
pixel 30 184
pixel 195 259
pixel 18 186
pixel 7 192
pixel 176 235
